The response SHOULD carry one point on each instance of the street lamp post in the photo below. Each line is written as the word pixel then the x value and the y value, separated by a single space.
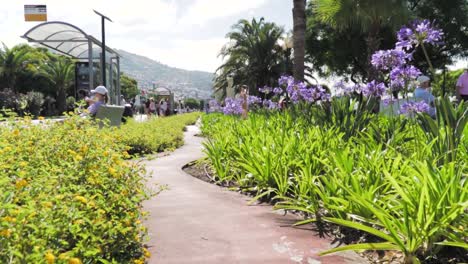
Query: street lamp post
pixel 103 45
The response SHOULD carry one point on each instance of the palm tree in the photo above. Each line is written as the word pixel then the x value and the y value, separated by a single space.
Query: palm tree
pixel 369 16
pixel 59 71
pixel 253 56
pixel 299 19
pixel 12 62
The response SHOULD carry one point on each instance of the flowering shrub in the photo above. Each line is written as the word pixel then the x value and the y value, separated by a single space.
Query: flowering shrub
pixel 67 193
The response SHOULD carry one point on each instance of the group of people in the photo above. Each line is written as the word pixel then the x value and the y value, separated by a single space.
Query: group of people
pixel 152 108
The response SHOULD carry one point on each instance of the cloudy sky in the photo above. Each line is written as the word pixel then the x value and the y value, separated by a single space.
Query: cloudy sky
pixel 180 33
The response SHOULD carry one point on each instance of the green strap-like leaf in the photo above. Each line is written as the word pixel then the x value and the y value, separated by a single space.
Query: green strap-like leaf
pixel 364 246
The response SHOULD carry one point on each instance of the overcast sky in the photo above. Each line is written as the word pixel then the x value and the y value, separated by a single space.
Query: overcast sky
pixel 181 33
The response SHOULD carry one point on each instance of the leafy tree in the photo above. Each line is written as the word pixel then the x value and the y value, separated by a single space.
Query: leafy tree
pixel 192 103
pixel 60 73
pixel 128 86
pixel 253 55
pixel 367 16
pixel 12 61
pixel 333 50
pixel 299 19
pixel 452 17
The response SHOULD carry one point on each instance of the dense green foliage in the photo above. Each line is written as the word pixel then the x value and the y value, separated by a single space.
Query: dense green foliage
pixel 400 179
pixel 254 56
pixel 68 193
pixel 155 135
pixel 128 86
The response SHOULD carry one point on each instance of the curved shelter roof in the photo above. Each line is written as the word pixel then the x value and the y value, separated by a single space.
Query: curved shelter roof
pixel 66 38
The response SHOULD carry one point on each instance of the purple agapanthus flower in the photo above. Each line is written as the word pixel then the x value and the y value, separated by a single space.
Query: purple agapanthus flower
pixel 232 106
pixel 277 90
pixel 270 104
pixel 388 101
pixel 251 100
pixel 373 89
pixel 342 88
pixel 265 89
pixel 415 107
pixel 401 77
pixel 286 80
pixel 419 32
pixel 388 59
pixel 214 106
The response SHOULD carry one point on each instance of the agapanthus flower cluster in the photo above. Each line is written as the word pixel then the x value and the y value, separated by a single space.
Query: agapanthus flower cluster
pixel 402 76
pixel 300 91
pixel 343 88
pixel 373 89
pixel 265 89
pixel 419 32
pixel 252 100
pixel 286 81
pixel 277 90
pixel 388 59
pixel 270 104
pixel 214 106
pixel 232 106
pixel 415 107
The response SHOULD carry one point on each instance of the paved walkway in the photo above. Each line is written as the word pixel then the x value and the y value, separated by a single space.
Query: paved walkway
pixel 197 222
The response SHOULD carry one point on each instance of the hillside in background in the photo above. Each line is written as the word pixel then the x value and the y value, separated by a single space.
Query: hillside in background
pixel 183 83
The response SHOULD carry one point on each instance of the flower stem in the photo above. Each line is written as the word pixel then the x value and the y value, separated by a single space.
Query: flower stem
pixel 428 60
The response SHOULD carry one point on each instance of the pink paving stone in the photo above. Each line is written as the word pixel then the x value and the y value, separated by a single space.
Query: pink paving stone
pixel 197 222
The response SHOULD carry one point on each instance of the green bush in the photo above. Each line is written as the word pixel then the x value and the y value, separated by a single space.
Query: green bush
pixel 155 135
pixel 35 102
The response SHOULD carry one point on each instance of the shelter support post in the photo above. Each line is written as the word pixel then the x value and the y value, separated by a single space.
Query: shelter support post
pixel 90 65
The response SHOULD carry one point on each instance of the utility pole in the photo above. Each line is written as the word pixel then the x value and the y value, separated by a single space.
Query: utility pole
pixel 103 45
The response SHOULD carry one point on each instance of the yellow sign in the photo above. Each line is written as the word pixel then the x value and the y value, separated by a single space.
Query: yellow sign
pixel 35 12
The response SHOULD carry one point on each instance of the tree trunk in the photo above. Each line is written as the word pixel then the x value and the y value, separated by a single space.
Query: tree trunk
pixel 61 100
pixel 299 19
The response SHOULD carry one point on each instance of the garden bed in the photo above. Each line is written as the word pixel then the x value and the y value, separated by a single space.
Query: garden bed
pixel 363 182
pixel 69 194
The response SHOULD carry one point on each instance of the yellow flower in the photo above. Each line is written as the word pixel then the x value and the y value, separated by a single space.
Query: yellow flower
pixel 84 149
pixel 5 233
pixel 16 132
pixel 81 199
pixel 112 172
pixel 146 253
pixel 21 183
pixel 23 164
pixel 105 153
pixel 138 261
pixel 74 261
pixel 50 258
pixel 48 204
pixel 41 118
pixel 9 219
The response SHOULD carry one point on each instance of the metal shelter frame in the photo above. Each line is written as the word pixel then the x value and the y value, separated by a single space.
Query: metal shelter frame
pixel 70 40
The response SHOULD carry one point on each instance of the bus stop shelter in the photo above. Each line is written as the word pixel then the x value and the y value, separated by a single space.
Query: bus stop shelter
pixel 69 40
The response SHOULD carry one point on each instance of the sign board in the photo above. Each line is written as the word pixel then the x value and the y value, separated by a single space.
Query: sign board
pixel 35 12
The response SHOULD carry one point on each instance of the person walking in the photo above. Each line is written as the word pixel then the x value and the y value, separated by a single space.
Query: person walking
pixel 462 86
pixel 152 106
pixel 163 108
